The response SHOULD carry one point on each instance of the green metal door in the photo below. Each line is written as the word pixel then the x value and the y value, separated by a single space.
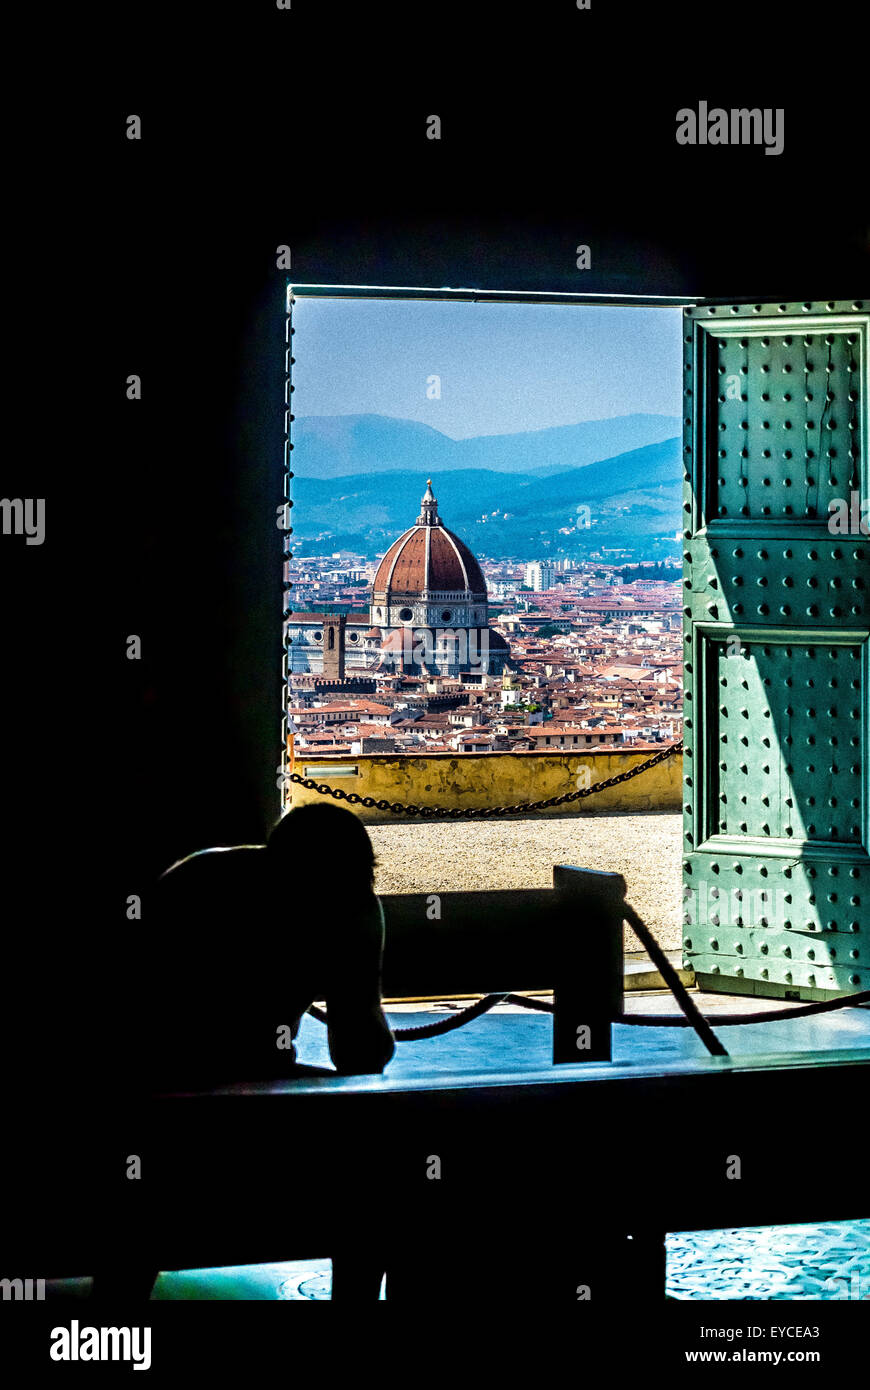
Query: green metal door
pixel 776 870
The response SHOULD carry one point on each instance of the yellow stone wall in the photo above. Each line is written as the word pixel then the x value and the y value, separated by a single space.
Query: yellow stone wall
pixel 497 779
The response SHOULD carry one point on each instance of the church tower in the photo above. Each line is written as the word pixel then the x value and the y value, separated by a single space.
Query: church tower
pixel 333 645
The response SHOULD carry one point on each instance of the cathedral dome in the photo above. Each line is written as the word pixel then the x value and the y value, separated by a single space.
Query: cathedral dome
pixel 429 601
pixel 427 559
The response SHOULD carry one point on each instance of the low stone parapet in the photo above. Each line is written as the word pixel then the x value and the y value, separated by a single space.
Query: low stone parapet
pixel 496 779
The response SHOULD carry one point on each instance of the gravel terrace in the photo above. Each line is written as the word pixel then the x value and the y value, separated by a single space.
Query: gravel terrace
pixel 431 856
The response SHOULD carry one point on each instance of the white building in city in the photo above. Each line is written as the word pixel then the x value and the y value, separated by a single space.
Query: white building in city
pixel 540 574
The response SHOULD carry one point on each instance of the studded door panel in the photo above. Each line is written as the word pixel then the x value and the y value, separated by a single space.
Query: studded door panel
pixel 776 625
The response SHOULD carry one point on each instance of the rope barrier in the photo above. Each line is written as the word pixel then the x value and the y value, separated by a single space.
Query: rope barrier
pixel 692 1016
pixel 441 1025
pixel 822 1006
pixel 722 1020
pixel 674 983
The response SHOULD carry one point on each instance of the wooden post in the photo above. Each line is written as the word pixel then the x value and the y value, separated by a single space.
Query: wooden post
pixel 588 987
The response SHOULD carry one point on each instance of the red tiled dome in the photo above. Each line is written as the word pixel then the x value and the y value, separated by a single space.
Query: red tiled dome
pixel 429 557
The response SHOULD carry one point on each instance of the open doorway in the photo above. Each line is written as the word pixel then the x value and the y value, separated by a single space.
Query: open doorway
pixel 750 452
pixel 483 576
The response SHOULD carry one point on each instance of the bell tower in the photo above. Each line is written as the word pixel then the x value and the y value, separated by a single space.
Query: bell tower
pixel 333 645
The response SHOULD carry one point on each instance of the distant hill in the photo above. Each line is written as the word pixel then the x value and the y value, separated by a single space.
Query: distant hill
pixel 392 500
pixel 335 446
pixel 634 494
pixel 642 469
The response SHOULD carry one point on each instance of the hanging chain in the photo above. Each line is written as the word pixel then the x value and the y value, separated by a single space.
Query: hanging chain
pixel 477 812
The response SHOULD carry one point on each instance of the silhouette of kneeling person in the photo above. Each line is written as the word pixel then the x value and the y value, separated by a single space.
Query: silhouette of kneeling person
pixel 247 938
pixel 257 933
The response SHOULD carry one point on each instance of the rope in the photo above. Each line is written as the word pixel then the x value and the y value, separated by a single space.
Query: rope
pixel 442 1025
pixel 692 1016
pixel 723 1020
pixel 410 808
pixel 674 983
pixel 734 1020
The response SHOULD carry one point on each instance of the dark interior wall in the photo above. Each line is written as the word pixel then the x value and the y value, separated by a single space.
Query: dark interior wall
pixel 161 513
pixel 323 147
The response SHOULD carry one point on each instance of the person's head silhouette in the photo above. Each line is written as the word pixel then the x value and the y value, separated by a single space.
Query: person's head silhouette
pixel 326 845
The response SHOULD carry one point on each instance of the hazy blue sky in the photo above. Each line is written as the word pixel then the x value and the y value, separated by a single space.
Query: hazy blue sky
pixel 503 367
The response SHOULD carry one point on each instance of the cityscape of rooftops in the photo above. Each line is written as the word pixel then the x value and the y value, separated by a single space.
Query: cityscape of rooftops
pixel 486 550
